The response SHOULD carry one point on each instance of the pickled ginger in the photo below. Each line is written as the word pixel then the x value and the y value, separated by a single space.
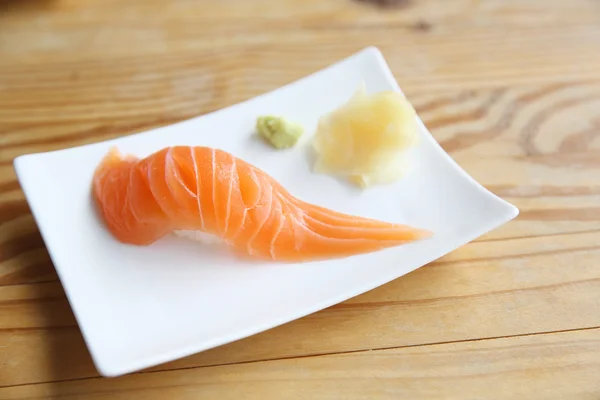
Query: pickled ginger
pixel 367 139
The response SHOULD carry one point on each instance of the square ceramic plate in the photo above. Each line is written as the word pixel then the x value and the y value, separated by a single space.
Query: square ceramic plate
pixel 142 306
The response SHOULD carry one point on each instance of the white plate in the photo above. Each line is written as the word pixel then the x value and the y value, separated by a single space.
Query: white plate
pixel 142 306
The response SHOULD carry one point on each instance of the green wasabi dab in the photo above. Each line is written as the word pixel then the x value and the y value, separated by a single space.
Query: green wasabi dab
pixel 279 132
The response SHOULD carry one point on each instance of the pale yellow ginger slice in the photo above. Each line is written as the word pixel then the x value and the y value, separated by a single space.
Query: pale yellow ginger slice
pixel 366 140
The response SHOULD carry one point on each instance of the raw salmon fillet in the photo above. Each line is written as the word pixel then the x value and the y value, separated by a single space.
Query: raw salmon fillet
pixel 209 190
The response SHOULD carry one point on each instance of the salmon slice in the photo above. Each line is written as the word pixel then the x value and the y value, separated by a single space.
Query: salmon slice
pixel 211 191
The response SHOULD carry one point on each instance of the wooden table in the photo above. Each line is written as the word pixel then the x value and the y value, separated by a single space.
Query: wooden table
pixel 511 88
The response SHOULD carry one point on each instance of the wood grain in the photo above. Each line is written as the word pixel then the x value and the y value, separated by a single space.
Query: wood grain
pixel 557 366
pixel 510 88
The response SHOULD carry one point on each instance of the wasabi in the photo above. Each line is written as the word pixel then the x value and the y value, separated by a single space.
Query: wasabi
pixel 279 132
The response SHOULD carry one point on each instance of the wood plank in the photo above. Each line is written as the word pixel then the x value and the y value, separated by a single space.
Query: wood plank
pixel 487 289
pixel 553 366
pixel 141 75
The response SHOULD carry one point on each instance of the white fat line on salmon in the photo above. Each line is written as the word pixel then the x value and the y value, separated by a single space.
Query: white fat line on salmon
pixel 316 234
pixel 282 219
pixel 176 172
pixel 290 207
pixel 268 214
pixel 235 235
pixel 171 172
pixel 151 187
pixel 246 208
pixel 297 242
pixel 197 186
pixel 128 195
pixel 228 214
pixel 102 191
pixel 315 212
pixel 257 182
pixel 170 169
pixel 166 171
pixel 356 229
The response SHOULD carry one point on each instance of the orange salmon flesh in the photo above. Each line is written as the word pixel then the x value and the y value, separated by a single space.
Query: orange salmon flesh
pixel 210 190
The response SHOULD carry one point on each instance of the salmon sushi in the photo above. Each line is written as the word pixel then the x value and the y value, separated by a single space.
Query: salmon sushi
pixel 203 189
